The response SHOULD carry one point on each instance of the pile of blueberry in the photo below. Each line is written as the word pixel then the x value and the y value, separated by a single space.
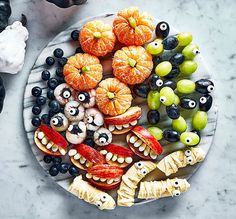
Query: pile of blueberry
pixel 59 167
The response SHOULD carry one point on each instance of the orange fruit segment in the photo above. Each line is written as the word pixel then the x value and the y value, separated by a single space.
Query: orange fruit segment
pixel 83 71
pixel 133 27
pixel 113 97
pixel 132 65
pixel 97 38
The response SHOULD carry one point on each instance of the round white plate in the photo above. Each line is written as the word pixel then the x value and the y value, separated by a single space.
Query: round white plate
pixel 64 41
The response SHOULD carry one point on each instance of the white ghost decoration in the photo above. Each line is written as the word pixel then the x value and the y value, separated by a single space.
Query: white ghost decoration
pixel 12 48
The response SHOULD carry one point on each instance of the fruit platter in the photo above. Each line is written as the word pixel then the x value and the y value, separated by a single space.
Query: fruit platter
pixel 119 110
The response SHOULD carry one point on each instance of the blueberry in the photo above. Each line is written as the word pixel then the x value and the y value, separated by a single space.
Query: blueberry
pixel 79 50
pixel 52 83
pixel 141 90
pixel 153 116
pixel 173 111
pixel 50 61
pixel 90 142
pixel 177 59
pixel 73 171
pixel 53 171
pixel 61 80
pixel 62 110
pixel 36 110
pixel 59 72
pixel 36 121
pixel 54 106
pixel 156 60
pixel 187 103
pixel 62 61
pixel 155 82
pixel 56 160
pixel 75 35
pixel 47 159
pixel 36 91
pixel 169 83
pixel 174 73
pixel 90 133
pixel 51 113
pixel 45 119
pixel 162 30
pixel 58 53
pixel 169 43
pixel 45 75
pixel 40 101
pixel 171 135
pixel 63 167
pixel 205 102
pixel 50 94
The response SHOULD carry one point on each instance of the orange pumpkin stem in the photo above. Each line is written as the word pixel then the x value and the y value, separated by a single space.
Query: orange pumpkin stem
pixel 85 69
pixel 132 62
pixel 97 35
pixel 132 22
pixel 110 95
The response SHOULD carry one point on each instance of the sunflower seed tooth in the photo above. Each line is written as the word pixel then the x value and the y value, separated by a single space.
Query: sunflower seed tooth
pixel 49 145
pixel 117 179
pixel 138 143
pixel 77 156
pixel 110 181
pixel 128 159
pixel 103 179
pixel 62 151
pixel 89 176
pixel 54 148
pixel 72 152
pixel 82 160
pixel 146 151
pixel 133 139
pixel 44 141
pixel 126 125
pixel 114 158
pixel 95 178
pixel 128 137
pixel 153 155
pixel 111 128
pixel 134 123
pixel 142 147
pixel 109 156
pixel 121 159
pixel 119 127
pixel 87 164
pixel 103 152
pixel 41 135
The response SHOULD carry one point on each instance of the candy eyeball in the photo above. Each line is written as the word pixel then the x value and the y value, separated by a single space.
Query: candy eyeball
pixel 155 47
pixel 98 204
pixel 196 51
pixel 192 104
pixel 176 192
pixel 64 93
pixel 104 198
pixel 188 153
pixel 139 165
pixel 188 140
pixel 189 160
pixel 210 88
pixel 59 122
pixel 102 136
pixel 203 100
pixel 176 183
pixel 162 99
pixel 143 171
pixel 167 96
pixel 159 82
pixel 163 26
pixel 83 97
pixel 74 111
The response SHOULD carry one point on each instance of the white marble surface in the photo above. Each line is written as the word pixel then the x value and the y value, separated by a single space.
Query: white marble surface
pixel 26 191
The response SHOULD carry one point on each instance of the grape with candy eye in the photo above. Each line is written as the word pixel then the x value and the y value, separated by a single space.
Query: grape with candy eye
pixel 187 103
pixel 155 47
pixel 189 138
pixel 155 82
pixel 191 51
pixel 205 102
pixel 204 86
pixel 162 30
pixel 167 96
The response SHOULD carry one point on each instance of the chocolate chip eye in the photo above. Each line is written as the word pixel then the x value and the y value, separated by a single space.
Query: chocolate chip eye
pixel 188 153
pixel 66 94
pixel 159 82
pixel 210 88
pixel 176 193
pixel 84 97
pixel 163 26
pixel 203 100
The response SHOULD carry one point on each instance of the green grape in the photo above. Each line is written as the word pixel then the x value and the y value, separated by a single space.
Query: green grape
pixel 155 47
pixel 186 86
pixel 167 96
pixel 189 138
pixel 179 124
pixel 188 67
pixel 177 100
pixel 199 121
pixel 190 51
pixel 153 99
pixel 184 38
pixel 163 69
pixel 156 132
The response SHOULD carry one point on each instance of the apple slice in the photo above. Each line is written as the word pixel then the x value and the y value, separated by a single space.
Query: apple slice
pixel 123 123
pixel 142 143
pixel 49 141
pixel 87 154
pixel 117 155
pixel 105 176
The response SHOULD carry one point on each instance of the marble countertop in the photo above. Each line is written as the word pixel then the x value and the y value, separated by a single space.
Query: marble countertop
pixel 27 192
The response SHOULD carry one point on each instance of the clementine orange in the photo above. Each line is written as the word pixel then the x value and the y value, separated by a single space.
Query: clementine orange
pixel 83 71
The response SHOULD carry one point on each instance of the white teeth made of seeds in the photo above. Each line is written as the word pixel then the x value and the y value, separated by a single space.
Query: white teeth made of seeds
pixel 73 153
pixel 95 178
pixel 49 144
pixel 120 127
pixel 141 146
pixel 115 157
